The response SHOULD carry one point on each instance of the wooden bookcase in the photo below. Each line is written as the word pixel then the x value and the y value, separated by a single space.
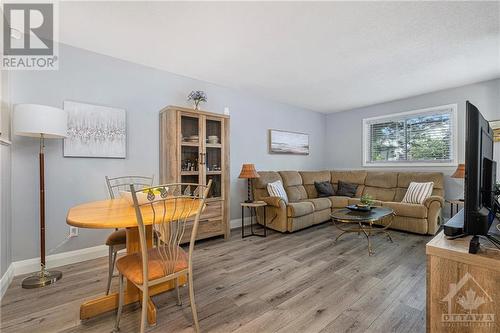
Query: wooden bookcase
pixel 194 148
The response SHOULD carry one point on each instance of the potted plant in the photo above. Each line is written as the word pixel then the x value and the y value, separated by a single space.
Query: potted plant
pixel 197 96
pixel 366 201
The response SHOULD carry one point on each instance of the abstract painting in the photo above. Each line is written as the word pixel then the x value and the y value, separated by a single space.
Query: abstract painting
pixel 283 142
pixel 95 131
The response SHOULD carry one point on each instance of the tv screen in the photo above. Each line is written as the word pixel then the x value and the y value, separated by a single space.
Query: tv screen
pixel 478 164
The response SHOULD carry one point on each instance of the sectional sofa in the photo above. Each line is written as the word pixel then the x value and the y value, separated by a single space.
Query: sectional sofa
pixel 387 188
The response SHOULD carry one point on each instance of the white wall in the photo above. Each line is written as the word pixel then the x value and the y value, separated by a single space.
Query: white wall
pixel 142 91
pixel 344 129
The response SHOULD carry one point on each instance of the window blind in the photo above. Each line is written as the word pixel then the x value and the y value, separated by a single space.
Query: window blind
pixel 425 136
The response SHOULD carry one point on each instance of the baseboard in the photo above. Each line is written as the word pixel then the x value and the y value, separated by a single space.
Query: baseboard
pixel 72 257
pixel 60 259
pixel 6 280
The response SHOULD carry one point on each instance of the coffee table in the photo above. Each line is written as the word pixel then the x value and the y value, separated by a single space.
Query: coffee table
pixel 377 220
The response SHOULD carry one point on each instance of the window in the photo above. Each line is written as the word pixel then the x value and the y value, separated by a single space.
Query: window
pixel 417 138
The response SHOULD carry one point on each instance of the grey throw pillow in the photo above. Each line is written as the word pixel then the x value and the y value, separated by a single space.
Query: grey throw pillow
pixel 324 189
pixel 347 189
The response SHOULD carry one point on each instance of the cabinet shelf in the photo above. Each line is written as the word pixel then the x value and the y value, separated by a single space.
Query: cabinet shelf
pixel 190 144
pixel 190 173
pixel 213 145
pixel 214 173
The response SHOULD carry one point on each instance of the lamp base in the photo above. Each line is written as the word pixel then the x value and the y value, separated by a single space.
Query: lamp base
pixel 41 279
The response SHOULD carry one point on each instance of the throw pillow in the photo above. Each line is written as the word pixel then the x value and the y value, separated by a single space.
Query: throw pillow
pixel 324 189
pixel 347 189
pixel 417 193
pixel 276 189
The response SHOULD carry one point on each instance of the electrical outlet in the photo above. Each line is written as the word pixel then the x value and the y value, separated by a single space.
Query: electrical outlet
pixel 73 232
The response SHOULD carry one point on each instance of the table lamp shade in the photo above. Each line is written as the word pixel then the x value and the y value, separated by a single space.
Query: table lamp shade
pixel 460 172
pixel 248 172
pixel 34 120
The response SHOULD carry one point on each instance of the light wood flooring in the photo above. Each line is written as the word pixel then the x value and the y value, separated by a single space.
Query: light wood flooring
pixel 300 282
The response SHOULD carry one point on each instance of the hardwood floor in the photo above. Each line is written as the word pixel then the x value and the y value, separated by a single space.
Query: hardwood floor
pixel 300 282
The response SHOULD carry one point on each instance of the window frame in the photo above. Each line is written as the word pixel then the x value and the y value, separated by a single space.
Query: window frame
pixel 454 138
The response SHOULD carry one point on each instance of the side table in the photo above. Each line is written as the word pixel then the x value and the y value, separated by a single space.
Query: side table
pixel 252 205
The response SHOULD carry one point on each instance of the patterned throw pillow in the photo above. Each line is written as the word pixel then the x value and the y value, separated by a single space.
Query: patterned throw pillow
pixel 276 189
pixel 417 193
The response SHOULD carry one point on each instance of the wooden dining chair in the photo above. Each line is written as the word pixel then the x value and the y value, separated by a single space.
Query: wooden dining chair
pixel 118 239
pixel 173 210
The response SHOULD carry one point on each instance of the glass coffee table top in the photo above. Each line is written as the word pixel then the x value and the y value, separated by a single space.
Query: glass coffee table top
pixel 377 220
pixel 347 215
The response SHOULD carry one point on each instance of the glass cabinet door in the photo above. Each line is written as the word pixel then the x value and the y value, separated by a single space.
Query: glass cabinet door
pixel 190 149
pixel 213 155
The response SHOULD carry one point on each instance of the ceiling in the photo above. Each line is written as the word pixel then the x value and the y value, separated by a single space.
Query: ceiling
pixel 323 56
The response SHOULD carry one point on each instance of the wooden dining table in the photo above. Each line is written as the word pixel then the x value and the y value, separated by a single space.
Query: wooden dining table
pixel 119 213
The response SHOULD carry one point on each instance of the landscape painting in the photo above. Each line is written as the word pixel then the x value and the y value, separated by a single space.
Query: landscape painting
pixel 95 131
pixel 283 142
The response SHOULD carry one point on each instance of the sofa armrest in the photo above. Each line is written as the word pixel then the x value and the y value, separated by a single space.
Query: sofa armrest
pixel 434 198
pixel 274 201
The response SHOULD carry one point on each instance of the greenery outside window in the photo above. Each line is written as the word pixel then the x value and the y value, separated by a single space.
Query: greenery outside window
pixel 426 137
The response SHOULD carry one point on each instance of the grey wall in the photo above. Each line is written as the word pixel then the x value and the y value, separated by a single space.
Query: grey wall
pixel 344 129
pixel 5 208
pixel 92 78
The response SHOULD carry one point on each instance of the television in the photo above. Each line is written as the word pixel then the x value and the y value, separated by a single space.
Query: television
pixel 480 172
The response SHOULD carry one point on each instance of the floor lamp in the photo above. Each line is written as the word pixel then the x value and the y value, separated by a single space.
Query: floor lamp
pixel 42 122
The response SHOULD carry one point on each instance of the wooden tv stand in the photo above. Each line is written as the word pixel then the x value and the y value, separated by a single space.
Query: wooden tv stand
pixel 463 290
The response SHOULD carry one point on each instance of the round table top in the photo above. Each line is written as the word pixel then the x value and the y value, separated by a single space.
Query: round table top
pixel 119 213
pixel 351 216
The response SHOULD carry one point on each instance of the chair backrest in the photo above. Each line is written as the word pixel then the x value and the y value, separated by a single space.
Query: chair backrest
pixel 117 184
pixel 169 208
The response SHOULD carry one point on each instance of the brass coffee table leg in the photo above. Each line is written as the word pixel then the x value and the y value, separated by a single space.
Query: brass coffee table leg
pixel 367 234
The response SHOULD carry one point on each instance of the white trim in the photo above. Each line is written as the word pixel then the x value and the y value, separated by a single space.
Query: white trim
pixel 60 259
pixel 71 257
pixel 6 280
pixel 454 163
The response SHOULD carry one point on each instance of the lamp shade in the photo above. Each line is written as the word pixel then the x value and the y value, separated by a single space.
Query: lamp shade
pixel 460 172
pixel 248 172
pixel 34 120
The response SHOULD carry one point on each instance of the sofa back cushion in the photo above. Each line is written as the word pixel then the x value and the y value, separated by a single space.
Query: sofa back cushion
pixel 292 181
pixel 405 178
pixel 260 184
pixel 348 176
pixel 308 179
pixel 381 185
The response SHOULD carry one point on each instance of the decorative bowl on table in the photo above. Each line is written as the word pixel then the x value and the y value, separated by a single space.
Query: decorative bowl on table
pixel 360 208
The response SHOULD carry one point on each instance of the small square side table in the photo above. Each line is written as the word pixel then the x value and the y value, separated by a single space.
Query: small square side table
pixel 252 205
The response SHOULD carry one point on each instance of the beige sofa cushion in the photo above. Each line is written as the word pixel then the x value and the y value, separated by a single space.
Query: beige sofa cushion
pixel 378 193
pixel 339 201
pixel 296 209
pixel 260 184
pixel 382 179
pixel 292 180
pixel 320 203
pixel 405 178
pixel 354 177
pixel 407 209
pixel 308 179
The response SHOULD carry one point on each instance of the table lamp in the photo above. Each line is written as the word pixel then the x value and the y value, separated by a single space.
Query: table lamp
pixel 42 122
pixel 459 174
pixel 248 172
